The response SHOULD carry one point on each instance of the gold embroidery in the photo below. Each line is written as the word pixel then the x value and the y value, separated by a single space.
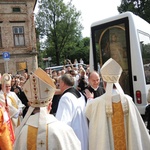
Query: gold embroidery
pixel 26 91
pixel 47 90
pixel 31 138
pixel 16 122
pixel 13 102
pixel 118 127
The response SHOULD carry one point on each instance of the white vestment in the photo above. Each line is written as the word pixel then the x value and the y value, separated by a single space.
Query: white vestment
pixel 137 137
pixel 60 136
pixel 12 110
pixel 15 106
pixel 71 111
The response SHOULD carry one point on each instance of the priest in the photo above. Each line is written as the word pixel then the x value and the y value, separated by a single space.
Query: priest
pixel 40 130
pixel 114 121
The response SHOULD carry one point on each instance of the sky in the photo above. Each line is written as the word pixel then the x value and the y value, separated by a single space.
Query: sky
pixel 94 10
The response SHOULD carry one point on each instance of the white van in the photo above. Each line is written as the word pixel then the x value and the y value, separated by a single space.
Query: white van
pixel 125 38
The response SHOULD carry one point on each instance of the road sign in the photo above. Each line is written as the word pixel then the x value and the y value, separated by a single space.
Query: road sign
pixel 6 56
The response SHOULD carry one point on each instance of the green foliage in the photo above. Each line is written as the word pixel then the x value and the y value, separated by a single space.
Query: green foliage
pixel 81 50
pixel 58 24
pixel 138 7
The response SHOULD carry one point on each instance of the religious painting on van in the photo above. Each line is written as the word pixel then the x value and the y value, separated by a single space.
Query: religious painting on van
pixel 112 44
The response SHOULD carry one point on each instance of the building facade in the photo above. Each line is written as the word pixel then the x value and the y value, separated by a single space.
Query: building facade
pixel 17 36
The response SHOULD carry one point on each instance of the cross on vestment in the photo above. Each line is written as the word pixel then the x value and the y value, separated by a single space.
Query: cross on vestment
pixel 41 143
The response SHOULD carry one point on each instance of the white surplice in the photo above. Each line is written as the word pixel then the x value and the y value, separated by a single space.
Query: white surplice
pixel 71 111
pixel 137 137
pixel 60 135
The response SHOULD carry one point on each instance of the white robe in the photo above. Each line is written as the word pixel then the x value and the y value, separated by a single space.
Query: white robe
pixel 71 111
pixel 60 135
pixel 137 136
pixel 13 111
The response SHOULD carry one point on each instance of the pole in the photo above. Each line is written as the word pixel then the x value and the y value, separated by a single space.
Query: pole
pixel 6 66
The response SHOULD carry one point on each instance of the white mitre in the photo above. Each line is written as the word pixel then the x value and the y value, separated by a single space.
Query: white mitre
pixel 39 89
pixel 111 72
pixel 6 79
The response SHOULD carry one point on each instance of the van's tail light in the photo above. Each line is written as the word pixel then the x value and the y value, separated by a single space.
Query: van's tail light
pixel 138 97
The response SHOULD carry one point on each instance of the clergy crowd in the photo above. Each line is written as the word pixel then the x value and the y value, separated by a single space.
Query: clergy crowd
pixel 71 109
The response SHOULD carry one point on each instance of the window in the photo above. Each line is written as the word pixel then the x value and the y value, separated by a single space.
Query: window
pixel 16 9
pixel 18 36
pixel 145 50
pixel 0 38
pixel 109 41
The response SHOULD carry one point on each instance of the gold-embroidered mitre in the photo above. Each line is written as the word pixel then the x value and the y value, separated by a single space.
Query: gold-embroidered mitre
pixel 39 88
pixel 6 79
pixel 111 71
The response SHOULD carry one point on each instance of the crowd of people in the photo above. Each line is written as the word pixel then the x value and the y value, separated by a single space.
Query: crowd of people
pixel 85 82
pixel 15 102
pixel 69 109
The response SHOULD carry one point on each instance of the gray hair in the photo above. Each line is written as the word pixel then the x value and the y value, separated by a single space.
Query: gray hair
pixel 67 79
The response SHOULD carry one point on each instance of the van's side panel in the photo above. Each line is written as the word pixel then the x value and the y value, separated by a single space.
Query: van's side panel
pixel 137 61
pixel 128 26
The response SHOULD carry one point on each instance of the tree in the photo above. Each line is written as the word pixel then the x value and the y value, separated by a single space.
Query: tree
pixel 138 7
pixel 59 25
pixel 82 50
